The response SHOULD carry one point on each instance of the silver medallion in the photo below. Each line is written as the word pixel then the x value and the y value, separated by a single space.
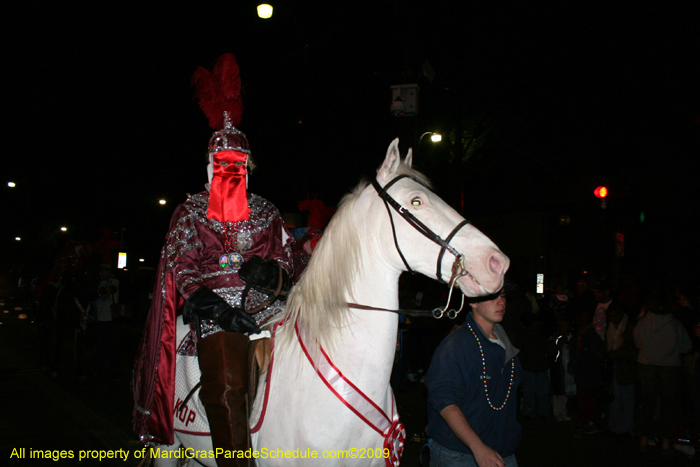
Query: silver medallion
pixel 235 261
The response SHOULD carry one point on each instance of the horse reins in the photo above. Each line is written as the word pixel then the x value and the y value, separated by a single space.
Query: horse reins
pixel 271 294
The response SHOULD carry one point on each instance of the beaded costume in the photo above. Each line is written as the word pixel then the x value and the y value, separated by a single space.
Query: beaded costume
pixel 195 244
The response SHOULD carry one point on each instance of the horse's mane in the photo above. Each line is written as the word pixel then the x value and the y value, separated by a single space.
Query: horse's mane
pixel 318 302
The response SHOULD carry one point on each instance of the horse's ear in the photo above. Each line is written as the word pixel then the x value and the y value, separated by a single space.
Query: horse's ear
pixel 391 161
pixel 409 158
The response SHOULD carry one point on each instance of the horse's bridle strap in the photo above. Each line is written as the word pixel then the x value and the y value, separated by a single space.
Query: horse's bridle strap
pixel 442 251
pixel 410 218
pixel 416 223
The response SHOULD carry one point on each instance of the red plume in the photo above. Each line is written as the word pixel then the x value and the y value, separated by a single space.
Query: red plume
pixel 219 91
pixel 319 213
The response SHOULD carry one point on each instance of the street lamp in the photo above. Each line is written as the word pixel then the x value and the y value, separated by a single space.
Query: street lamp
pixel 264 11
pixel 434 137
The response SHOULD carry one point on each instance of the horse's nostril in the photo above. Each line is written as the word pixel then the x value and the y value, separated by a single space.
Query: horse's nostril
pixel 497 262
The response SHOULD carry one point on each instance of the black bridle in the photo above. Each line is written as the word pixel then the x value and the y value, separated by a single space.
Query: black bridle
pixel 458 267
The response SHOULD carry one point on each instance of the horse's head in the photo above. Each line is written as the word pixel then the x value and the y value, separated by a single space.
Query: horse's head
pixel 427 235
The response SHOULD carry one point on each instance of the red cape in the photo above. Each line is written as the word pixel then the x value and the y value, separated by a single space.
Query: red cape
pixel 153 383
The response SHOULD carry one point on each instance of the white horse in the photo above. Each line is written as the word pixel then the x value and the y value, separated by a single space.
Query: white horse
pixel 327 394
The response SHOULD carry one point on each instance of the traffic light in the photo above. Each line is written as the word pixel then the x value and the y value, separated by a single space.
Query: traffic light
pixel 601 192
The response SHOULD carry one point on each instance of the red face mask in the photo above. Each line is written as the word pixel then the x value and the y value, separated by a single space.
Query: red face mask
pixel 227 196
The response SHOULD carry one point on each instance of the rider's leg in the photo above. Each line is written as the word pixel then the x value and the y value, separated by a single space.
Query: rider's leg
pixel 223 359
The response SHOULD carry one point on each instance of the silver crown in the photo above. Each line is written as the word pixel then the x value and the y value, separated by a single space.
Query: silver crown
pixel 228 138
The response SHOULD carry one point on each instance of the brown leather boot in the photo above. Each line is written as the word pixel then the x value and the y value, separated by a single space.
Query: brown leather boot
pixel 223 359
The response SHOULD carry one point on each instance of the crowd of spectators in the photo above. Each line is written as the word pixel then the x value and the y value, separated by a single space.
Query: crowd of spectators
pixel 621 361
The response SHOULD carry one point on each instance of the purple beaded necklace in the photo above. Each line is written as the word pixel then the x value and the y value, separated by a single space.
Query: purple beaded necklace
pixel 483 366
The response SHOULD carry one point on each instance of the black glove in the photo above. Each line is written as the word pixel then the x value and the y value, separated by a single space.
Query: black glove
pixel 237 320
pixel 263 274
pixel 205 304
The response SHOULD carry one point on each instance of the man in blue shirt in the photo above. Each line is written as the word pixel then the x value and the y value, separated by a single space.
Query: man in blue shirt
pixel 472 389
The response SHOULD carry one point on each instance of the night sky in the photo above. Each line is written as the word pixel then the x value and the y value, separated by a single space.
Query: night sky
pixel 99 117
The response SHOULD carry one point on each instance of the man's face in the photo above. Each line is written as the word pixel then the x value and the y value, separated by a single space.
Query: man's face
pixel 491 311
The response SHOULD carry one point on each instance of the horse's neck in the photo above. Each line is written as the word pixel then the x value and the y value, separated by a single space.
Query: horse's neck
pixel 369 342
pixel 377 286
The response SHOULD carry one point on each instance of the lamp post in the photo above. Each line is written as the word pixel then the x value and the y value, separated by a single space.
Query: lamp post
pixel 434 137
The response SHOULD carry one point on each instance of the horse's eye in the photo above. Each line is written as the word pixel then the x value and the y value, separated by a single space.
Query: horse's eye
pixel 416 201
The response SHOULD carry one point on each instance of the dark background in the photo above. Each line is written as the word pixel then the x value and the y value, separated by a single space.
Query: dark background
pixel 538 106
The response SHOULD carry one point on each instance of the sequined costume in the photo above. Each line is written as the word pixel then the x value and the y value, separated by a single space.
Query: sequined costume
pixel 189 260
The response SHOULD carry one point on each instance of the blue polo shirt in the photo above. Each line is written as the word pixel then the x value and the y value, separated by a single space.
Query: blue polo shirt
pixel 455 377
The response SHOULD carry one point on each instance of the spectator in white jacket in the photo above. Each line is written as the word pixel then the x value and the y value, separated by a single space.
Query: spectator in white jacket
pixel 661 340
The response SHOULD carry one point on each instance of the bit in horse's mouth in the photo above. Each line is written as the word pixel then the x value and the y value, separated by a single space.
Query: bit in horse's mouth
pixel 461 271
pixel 469 275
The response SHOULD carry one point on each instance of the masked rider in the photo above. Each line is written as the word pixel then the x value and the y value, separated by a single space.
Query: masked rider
pixel 226 250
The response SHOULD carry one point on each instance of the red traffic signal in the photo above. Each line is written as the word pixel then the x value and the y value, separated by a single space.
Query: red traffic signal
pixel 601 192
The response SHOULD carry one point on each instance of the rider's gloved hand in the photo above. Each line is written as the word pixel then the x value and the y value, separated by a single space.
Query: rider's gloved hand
pixel 205 304
pixel 263 274
pixel 237 320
